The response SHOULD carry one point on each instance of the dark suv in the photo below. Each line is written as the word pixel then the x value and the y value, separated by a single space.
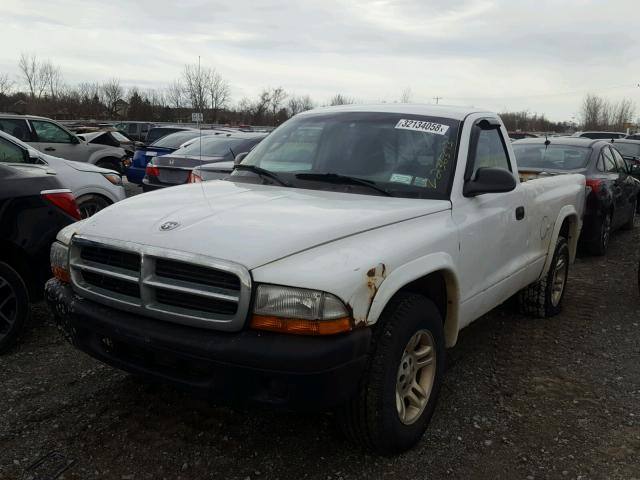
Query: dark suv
pixel 33 208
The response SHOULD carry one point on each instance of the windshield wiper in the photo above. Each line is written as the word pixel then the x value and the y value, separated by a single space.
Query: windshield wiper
pixel 336 178
pixel 262 172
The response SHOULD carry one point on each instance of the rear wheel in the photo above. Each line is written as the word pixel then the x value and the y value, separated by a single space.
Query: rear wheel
pixel 91 204
pixel 14 306
pixel 544 298
pixel 399 390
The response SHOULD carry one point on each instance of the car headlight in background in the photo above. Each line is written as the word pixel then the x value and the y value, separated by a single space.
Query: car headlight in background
pixel 299 311
pixel 113 178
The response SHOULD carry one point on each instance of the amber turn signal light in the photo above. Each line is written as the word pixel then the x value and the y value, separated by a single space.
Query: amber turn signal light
pixel 301 327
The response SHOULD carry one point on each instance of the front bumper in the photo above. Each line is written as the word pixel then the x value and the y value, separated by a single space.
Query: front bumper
pixel 284 370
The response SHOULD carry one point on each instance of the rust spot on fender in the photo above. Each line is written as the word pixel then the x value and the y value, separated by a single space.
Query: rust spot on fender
pixel 375 276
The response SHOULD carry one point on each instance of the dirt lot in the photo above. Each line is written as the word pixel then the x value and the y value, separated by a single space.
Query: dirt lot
pixel 523 399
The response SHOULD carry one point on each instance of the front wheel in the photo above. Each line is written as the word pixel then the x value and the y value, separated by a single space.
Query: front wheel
pixel 14 306
pixel 632 219
pixel 399 389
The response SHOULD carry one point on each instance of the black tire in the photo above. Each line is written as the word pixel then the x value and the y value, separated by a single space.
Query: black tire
pixel 632 219
pixel 538 299
pixel 371 418
pixel 91 204
pixel 111 164
pixel 600 245
pixel 14 306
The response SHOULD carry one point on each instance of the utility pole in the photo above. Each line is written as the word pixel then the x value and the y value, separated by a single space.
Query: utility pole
pixel 437 99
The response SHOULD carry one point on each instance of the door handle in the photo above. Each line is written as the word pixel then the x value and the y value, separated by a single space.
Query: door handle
pixel 519 213
pixel 49 149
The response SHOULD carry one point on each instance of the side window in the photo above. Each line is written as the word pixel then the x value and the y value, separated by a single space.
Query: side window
pixel 133 128
pixel 16 128
pixel 10 152
pixel 600 164
pixel 50 133
pixel 609 163
pixel 620 162
pixel 490 151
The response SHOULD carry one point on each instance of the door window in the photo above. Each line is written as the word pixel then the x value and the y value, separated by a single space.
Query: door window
pixel 10 152
pixel 620 162
pixel 16 128
pixel 609 163
pixel 48 132
pixel 490 151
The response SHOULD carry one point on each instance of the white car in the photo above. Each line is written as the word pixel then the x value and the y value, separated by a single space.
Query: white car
pixel 93 187
pixel 331 269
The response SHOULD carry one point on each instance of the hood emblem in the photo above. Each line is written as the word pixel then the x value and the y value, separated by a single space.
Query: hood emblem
pixel 166 226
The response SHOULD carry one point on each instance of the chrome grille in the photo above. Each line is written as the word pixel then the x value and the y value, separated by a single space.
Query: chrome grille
pixel 169 285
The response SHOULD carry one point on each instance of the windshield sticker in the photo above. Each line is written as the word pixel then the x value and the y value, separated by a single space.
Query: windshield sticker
pixel 420 126
pixel 399 178
pixel 420 182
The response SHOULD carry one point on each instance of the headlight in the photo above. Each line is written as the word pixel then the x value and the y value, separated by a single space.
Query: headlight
pixel 59 255
pixel 60 262
pixel 299 311
pixel 113 178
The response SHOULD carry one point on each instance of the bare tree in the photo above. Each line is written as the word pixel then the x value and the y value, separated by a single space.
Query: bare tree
pixel 6 84
pixel 299 103
pixel 406 95
pixel 175 94
pixel 196 82
pixel 112 91
pixel 339 99
pixel 600 114
pixel 277 96
pixel 52 77
pixel 261 106
pixel 623 113
pixel 591 114
pixel 34 73
pixel 220 93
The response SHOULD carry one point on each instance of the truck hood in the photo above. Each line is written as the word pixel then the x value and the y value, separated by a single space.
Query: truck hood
pixel 249 224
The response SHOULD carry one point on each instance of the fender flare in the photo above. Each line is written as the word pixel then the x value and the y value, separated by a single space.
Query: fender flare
pixel 400 277
pixel 568 211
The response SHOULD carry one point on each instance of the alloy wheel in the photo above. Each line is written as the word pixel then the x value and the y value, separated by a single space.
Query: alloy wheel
pixel 416 375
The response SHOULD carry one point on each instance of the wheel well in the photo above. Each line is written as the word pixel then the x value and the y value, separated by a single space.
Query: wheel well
pixel 21 263
pixel 432 286
pixel 569 230
pixel 441 288
pixel 106 199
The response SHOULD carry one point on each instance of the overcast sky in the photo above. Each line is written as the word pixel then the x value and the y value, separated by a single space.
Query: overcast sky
pixel 541 56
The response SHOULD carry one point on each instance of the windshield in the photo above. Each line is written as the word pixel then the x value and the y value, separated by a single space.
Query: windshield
pixel 405 155
pixel 174 140
pixel 552 157
pixel 158 133
pixel 211 146
pixel 628 149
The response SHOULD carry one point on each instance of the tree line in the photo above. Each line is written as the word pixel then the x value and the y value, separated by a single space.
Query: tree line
pixel 40 89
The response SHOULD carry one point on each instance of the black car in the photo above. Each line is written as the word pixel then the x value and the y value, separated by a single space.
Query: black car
pixel 33 208
pixel 600 135
pixel 174 168
pixel 156 133
pixel 613 197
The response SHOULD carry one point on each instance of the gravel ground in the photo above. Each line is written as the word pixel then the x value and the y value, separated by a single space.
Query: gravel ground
pixel 523 399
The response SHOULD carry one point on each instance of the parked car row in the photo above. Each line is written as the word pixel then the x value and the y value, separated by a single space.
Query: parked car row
pixel 614 193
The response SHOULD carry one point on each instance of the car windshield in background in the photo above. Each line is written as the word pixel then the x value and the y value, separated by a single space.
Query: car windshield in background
pixel 551 157
pixel 211 146
pixel 174 140
pixel 157 133
pixel 628 149
pixel 403 155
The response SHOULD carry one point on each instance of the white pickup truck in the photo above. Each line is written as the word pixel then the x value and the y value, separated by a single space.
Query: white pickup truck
pixel 331 269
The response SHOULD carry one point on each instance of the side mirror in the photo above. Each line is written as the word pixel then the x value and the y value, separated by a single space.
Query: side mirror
pixel 32 156
pixel 75 140
pixel 489 180
pixel 239 158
